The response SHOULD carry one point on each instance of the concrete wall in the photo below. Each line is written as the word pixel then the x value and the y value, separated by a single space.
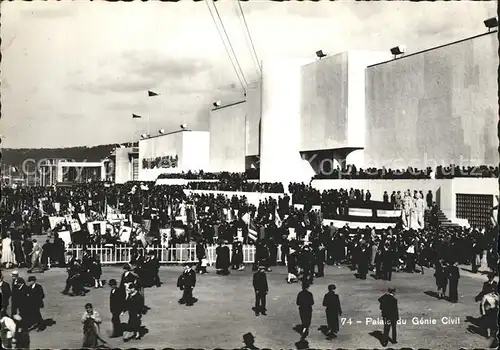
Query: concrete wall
pixel 280 159
pixel 356 99
pixel 435 107
pixel 195 151
pixel 123 165
pixel 253 114
pixel 192 148
pixel 228 138
pixel 324 103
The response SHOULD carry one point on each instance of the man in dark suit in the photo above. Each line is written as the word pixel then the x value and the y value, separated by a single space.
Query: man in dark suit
pixel 14 290
pixel 135 307
pixel 186 282
pixel 116 306
pixel 387 261
pixel 333 311
pixel 320 255
pixel 390 315
pixel 261 289
pixel 35 301
pixel 6 293
pixel 305 301
pixel 488 287
pixel 453 277
pixel 20 303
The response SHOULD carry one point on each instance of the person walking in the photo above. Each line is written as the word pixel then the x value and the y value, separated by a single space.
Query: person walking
pixel 186 282
pixel 6 293
pixel 305 302
pixel 333 311
pixel 35 300
pixel 390 315
pixel 116 307
pixel 261 289
pixel 135 307
pixel 453 277
pixel 441 278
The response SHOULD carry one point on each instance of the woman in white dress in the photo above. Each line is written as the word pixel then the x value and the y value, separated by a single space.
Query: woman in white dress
pixel 8 258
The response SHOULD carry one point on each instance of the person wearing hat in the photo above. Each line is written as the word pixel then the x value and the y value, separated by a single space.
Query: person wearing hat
pixel 135 307
pixel 35 300
pixel 249 341
pixel 116 306
pixel 186 282
pixel 20 301
pixel 488 287
pixel 6 293
pixel 261 289
pixel 333 311
pixel 305 302
pixel 453 277
pixel 390 315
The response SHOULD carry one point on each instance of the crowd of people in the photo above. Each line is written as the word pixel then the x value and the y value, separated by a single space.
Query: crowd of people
pixel 307 246
pixel 440 172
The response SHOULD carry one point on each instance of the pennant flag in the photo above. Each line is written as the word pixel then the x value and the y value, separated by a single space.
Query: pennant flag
pixel 152 94
pixel 252 230
pixel 135 116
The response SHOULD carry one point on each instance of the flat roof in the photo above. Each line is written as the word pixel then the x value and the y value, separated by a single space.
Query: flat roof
pixel 168 133
pixel 433 48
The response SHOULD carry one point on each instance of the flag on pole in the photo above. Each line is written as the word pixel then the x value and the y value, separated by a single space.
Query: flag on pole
pixel 252 230
pixel 152 94
pixel 277 219
pixel 135 116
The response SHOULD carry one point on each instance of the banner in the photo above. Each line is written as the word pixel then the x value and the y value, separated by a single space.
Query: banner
pixel 124 234
pixel 82 217
pixel 96 227
pixel 291 234
pixel 57 207
pixel 316 208
pixel 147 225
pixel 66 237
pixel 164 236
pixel 55 220
pixel 75 225
pixel 299 206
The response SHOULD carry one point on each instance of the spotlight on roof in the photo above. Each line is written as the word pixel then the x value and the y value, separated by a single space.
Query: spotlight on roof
pixel 184 126
pixel 398 50
pixel 217 104
pixel 491 23
pixel 320 54
pixel 144 136
pixel 161 131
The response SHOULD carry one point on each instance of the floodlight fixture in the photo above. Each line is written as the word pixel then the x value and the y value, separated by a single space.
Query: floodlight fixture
pixel 161 131
pixel 491 23
pixel 398 50
pixel 217 104
pixel 144 136
pixel 320 54
pixel 184 126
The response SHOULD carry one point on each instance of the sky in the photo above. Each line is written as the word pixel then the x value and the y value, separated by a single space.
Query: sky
pixel 73 73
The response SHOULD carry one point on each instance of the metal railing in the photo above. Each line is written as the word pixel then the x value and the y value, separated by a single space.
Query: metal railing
pixel 181 253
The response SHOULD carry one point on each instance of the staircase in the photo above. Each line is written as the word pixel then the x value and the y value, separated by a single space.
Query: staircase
pixel 442 219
